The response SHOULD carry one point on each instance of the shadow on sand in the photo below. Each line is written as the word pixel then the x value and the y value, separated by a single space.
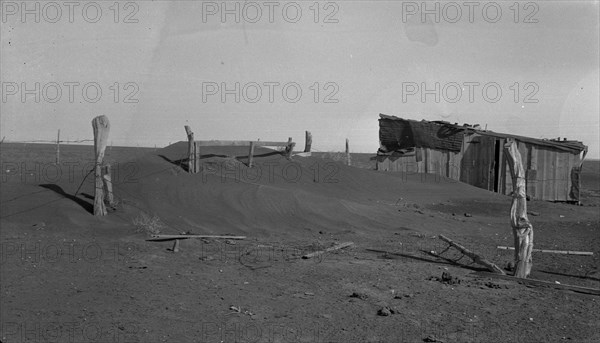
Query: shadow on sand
pixel 57 189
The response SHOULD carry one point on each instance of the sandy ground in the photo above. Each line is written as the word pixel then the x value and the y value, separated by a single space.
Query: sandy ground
pixel 67 276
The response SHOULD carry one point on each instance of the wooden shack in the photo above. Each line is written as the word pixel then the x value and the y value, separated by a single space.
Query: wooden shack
pixel 469 154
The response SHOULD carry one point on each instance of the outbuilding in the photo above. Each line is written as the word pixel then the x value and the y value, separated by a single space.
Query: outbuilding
pixel 469 154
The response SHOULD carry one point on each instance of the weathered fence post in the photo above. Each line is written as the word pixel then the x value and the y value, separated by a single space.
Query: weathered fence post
pixel 251 155
pixel 522 228
pixel 289 148
pixel 308 142
pixel 58 148
pixel 101 128
pixel 191 148
pixel 348 158
pixel 107 185
pixel 196 157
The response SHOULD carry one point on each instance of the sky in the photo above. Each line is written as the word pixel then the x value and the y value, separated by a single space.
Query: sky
pixel 271 70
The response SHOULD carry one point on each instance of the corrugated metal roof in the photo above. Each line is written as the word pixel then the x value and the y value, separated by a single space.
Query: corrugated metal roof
pixel 395 132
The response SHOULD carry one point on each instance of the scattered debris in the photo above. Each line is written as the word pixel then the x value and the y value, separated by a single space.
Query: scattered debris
pixel 534 283
pixel 387 311
pixel 333 248
pixel 433 339
pixel 446 278
pixel 490 284
pixel 238 309
pixel 476 258
pixel 175 246
pixel 468 214
pixel 359 295
pixel 384 311
pixel 407 295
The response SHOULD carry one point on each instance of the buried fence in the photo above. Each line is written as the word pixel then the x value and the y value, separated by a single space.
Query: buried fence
pixel 194 148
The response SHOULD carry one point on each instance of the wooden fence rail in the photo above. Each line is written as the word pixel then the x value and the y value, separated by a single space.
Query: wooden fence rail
pixel 194 148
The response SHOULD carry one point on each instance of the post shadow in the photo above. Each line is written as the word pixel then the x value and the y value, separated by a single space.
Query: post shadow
pixel 89 207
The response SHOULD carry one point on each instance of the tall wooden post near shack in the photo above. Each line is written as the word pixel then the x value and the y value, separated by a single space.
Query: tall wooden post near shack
pixel 522 228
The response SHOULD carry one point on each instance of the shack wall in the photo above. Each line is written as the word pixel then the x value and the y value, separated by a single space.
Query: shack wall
pixel 548 171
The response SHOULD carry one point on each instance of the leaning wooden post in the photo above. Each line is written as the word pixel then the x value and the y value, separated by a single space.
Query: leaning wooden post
pixel 101 128
pixel 308 142
pixel 348 158
pixel 522 228
pixel 476 258
pixel 191 154
pixel 251 155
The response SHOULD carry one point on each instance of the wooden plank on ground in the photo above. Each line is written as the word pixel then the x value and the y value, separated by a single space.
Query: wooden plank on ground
pixel 171 237
pixel 579 289
pixel 333 248
pixel 564 252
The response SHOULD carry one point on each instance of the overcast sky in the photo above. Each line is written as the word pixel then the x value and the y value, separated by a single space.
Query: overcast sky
pixel 164 65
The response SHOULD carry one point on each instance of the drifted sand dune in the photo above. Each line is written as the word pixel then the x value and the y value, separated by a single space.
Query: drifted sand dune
pixel 281 197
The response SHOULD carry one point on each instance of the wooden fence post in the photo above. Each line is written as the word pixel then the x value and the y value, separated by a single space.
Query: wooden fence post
pixel 348 158
pixel 308 142
pixel 107 185
pixel 191 152
pixel 101 128
pixel 58 148
pixel 251 155
pixel 522 228
pixel 289 148
pixel 196 157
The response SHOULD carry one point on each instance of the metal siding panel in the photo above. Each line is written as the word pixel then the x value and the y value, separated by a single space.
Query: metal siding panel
pixel 569 166
pixel 549 178
pixel 563 190
pixel 532 172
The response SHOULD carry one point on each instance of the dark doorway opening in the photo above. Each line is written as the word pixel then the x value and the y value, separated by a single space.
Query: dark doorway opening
pixel 497 150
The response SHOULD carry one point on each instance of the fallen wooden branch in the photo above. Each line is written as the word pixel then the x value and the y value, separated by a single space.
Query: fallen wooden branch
pixel 580 289
pixel 564 252
pixel 333 248
pixel 172 237
pixel 476 258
